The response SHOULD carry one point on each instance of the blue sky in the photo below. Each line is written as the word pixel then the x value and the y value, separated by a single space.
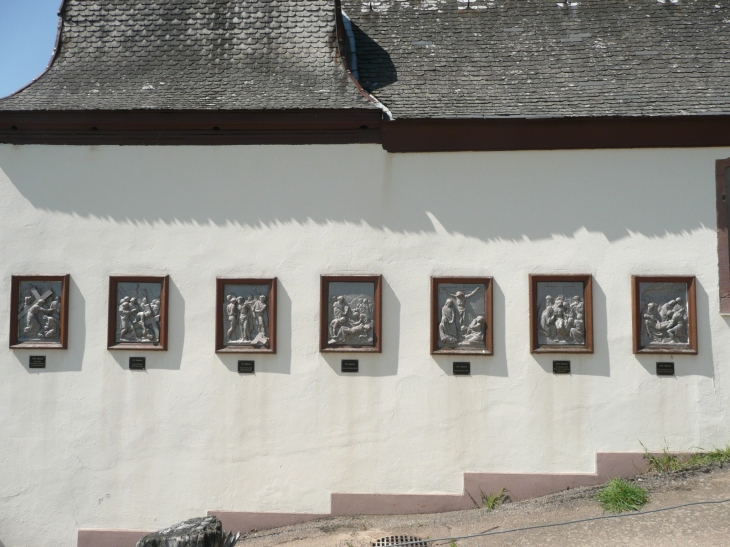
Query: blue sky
pixel 27 36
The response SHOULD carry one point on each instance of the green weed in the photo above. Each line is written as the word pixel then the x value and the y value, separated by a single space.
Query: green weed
pixel 491 501
pixel 671 463
pixel 666 463
pixel 620 495
pixel 719 456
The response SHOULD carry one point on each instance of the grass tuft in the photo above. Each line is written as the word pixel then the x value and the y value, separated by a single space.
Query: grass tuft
pixel 671 463
pixel 620 495
pixel 719 456
pixel 492 501
pixel 666 463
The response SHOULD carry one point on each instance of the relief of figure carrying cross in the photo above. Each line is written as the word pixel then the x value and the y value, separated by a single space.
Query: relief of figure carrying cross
pixel 38 320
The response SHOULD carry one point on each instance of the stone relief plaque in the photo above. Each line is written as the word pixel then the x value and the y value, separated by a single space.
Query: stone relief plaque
pixel 246 315
pixel 461 316
pixel 350 313
pixel 561 310
pixel 561 314
pixel 138 313
pixel 664 315
pixel 39 311
pixel 39 315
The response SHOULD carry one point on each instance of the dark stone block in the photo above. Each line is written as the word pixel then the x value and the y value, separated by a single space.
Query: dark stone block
pixel 199 532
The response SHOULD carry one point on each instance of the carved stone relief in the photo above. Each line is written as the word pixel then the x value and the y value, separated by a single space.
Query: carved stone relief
pixel 462 317
pixel 351 312
pixel 246 315
pixel 39 311
pixel 138 312
pixel 664 317
pixel 560 313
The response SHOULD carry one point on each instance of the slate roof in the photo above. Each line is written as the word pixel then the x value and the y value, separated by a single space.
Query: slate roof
pixel 194 55
pixel 421 58
pixel 543 58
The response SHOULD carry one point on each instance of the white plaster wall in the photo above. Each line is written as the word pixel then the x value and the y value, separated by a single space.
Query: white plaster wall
pixel 88 444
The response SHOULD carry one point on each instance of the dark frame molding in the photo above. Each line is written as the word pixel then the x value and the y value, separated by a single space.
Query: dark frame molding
pixel 587 281
pixel 493 134
pixel 112 343
pixel 325 280
pixel 221 282
pixel 691 313
pixel 351 126
pixel 63 320
pixel 488 315
pixel 722 182
pixel 194 127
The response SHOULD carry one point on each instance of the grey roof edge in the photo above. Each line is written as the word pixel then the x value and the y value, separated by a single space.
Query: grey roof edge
pixel 535 117
pixel 54 54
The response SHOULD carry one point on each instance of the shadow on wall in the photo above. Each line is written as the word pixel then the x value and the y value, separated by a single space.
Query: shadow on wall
pixel 60 360
pixel 701 364
pixel 165 360
pixel 279 363
pixel 373 364
pixel 488 196
pixel 596 364
pixel 492 365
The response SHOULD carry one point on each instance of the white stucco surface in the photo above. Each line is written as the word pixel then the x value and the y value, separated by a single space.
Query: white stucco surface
pixel 86 443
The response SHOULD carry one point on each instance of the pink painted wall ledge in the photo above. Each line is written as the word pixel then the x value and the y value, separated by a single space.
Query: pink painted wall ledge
pixel 246 522
pixel 110 538
pixel 520 486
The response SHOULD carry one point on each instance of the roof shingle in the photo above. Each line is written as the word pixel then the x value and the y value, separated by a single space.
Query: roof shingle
pixel 541 58
pixel 194 55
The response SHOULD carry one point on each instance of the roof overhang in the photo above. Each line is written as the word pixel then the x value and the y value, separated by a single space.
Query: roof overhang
pixel 148 127
pixel 143 127
pixel 451 135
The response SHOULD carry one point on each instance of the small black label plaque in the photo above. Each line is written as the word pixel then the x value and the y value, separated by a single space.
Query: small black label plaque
pixel 665 369
pixel 137 363
pixel 246 367
pixel 462 368
pixel 350 365
pixel 561 367
pixel 37 361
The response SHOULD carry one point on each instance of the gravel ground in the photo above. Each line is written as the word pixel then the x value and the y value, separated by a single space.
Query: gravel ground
pixel 699 525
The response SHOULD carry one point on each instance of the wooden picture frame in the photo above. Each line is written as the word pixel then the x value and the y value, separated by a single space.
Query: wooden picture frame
pixel 54 318
pixel 568 335
pixel 437 347
pixel 663 327
pixel 326 343
pixel 159 340
pixel 221 346
pixel 722 190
